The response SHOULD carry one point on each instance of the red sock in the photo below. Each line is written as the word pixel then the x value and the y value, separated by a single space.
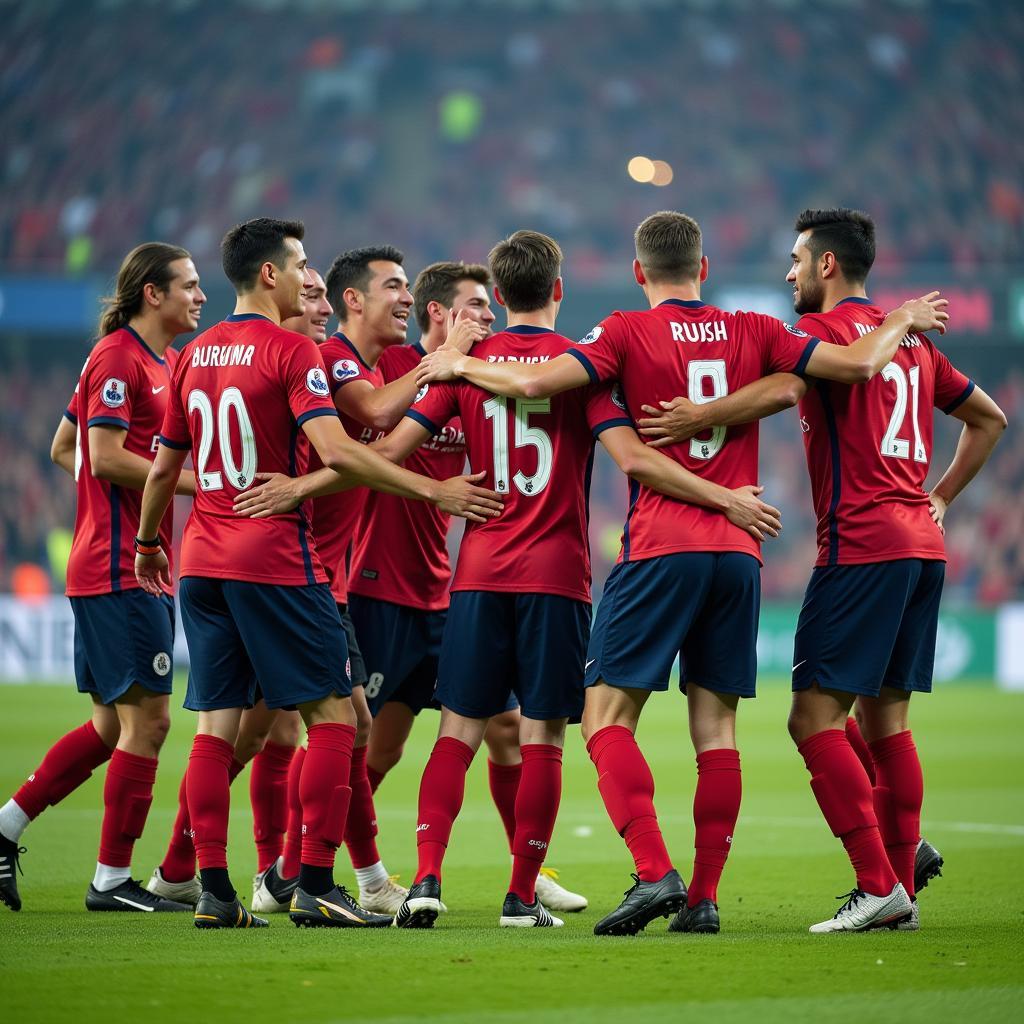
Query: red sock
pixel 539 793
pixel 716 806
pixel 898 795
pixel 441 791
pixel 67 764
pixel 268 791
pixel 293 837
pixel 361 827
pixel 843 791
pixel 504 782
pixel 208 789
pixel 860 748
pixel 325 798
pixel 375 777
pixel 626 786
pixel 127 795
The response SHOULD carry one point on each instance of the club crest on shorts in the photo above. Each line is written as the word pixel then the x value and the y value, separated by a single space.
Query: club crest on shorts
pixel 115 393
pixel 592 336
pixel 344 369
pixel 317 382
pixel 162 663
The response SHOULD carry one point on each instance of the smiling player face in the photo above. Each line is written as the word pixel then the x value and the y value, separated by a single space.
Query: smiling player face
pixel 182 304
pixel 472 297
pixel 290 281
pixel 316 309
pixel 387 302
pixel 808 287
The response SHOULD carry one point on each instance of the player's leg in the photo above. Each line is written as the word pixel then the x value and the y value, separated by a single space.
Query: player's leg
pixel 392 727
pixel 504 766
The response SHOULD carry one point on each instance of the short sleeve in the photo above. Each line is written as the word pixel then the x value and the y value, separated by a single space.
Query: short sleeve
pixel 785 349
pixel 434 406
pixel 606 408
pixel 305 378
pixel 952 388
pixel 175 430
pixel 602 351
pixel 71 412
pixel 109 389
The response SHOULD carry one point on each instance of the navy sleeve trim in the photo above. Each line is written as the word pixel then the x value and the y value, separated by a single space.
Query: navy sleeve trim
pixel 313 413
pixel 960 399
pixel 801 365
pixel 178 446
pixel 587 364
pixel 68 414
pixel 619 421
pixel 108 421
pixel 423 421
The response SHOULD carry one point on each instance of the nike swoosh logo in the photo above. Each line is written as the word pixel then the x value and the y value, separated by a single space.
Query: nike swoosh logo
pixel 589 663
pixel 341 910
pixel 132 903
pixel 156 391
pixel 799 663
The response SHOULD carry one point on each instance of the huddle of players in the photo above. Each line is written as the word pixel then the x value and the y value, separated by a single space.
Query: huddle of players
pixel 256 604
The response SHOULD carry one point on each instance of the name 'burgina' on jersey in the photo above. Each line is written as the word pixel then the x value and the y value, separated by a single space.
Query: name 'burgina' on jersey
pixel 223 355
pixel 714 331
pixel 910 341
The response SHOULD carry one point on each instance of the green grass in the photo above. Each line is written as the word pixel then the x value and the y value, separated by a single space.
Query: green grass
pixel 57 963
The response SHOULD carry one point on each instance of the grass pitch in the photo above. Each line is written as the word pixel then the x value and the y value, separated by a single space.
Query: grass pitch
pixel 58 963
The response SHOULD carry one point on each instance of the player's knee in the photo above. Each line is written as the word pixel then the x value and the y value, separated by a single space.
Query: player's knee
pixel 798 725
pixel 248 745
pixel 287 730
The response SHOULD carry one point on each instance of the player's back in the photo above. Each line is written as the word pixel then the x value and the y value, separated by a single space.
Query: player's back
pixel 869 445
pixel 537 455
pixel 240 394
pixel 697 350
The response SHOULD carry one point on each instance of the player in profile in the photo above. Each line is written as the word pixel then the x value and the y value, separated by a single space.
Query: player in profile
pixel 687 582
pixel 124 638
pixel 880 560
pixel 254 595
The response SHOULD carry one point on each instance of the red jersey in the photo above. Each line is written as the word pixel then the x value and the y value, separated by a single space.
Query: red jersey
pixel 401 546
pixel 335 515
pixel 868 445
pixel 690 348
pixel 537 453
pixel 239 396
pixel 124 384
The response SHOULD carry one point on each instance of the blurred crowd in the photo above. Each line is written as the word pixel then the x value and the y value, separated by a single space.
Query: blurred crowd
pixel 444 128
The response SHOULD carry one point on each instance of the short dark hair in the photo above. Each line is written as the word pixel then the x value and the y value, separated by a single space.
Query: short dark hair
pixel 525 267
pixel 438 282
pixel 246 247
pixel 849 234
pixel 351 269
pixel 669 247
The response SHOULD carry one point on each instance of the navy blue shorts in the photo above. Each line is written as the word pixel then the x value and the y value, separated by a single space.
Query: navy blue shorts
pixel 289 638
pixel 498 644
pixel 863 627
pixel 356 664
pixel 701 606
pixel 121 639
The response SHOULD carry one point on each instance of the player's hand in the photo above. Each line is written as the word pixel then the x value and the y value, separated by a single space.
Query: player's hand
pixel 928 313
pixel 937 507
pixel 463 331
pixel 153 573
pixel 439 365
pixel 675 421
pixel 459 496
pixel 750 513
pixel 275 495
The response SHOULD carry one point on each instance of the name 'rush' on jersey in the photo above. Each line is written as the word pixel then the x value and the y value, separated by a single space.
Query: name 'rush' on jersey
pixel 537 455
pixel 693 349
pixel 239 396
pixel 124 384
pixel 869 445
pixel 400 551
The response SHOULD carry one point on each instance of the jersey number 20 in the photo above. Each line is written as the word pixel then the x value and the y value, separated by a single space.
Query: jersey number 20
pixel 231 400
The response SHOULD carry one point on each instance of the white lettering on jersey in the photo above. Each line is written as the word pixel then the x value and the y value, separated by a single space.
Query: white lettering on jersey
pixel 910 341
pixel 518 359
pixel 699 332
pixel 223 355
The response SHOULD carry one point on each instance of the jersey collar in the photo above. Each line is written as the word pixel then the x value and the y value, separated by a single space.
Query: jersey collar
pixel 685 303
pixel 348 341
pixel 237 318
pixel 418 348
pixel 138 337
pixel 857 300
pixel 527 329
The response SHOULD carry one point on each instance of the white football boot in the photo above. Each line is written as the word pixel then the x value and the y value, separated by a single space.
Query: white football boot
pixel 862 912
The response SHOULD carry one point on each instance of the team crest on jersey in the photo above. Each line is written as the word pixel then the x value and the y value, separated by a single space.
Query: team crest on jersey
pixel 115 393
pixel 343 369
pixel 421 394
pixel 796 331
pixel 317 382
pixel 618 397
pixel 162 663
pixel 592 336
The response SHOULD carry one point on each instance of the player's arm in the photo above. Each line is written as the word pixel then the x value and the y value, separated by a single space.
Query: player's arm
pixel 111 461
pixel 861 360
pixel 741 506
pixel 984 423
pixel 680 419
pixel 151 565
pixel 514 380
pixel 62 448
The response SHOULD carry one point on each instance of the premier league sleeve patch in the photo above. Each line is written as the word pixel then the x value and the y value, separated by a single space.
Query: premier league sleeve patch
pixel 115 393
pixel 344 369
pixel 316 382
pixel 796 331
pixel 592 336
pixel 421 394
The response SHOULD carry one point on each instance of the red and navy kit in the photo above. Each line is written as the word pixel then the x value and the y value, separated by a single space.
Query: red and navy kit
pixel 335 516
pixel 124 384
pixel 690 348
pixel 401 546
pixel 869 445
pixel 240 394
